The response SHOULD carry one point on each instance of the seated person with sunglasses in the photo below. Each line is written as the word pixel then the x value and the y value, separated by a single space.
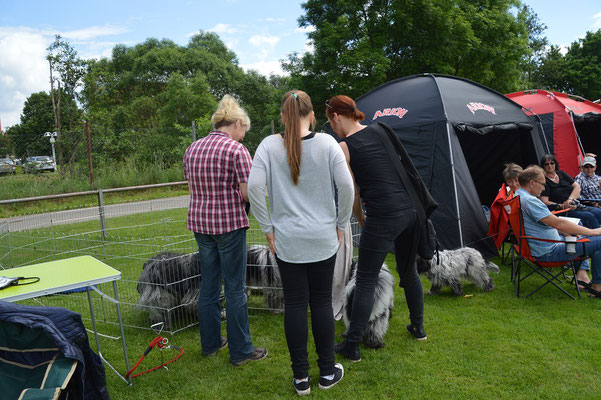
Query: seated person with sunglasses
pixel 561 192
pixel 590 183
pixel 540 223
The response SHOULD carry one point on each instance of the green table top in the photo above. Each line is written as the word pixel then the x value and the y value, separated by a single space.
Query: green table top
pixel 58 276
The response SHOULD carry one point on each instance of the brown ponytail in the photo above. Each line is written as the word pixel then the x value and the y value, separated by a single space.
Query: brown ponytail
pixel 295 105
pixel 343 105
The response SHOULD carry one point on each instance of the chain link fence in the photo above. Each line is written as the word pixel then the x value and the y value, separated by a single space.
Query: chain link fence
pixel 148 243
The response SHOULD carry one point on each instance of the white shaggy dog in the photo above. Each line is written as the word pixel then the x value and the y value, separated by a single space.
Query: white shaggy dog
pixel 381 311
pixel 453 266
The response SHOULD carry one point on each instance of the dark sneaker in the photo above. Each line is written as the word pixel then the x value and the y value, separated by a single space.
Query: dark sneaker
pixel 348 350
pixel 221 346
pixel 417 331
pixel 325 383
pixel 302 387
pixel 258 354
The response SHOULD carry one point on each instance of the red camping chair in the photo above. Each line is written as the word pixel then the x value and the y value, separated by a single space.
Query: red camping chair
pixel 524 257
pixel 498 227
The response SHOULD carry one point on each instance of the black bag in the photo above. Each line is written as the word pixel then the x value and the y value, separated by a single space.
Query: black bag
pixel 424 204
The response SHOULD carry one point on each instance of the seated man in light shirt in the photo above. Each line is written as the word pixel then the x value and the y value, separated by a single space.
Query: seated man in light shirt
pixel 540 223
pixel 590 183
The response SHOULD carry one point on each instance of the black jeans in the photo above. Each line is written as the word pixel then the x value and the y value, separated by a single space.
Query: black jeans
pixel 309 284
pixel 373 248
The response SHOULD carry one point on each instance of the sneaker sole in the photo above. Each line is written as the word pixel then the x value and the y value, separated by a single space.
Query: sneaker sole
pixel 303 392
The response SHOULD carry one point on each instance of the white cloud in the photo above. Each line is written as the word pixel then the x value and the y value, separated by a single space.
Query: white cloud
pixel 23 70
pixel 223 28
pixel 265 67
pixel 305 29
pixel 263 41
pixel 93 32
pixel 597 23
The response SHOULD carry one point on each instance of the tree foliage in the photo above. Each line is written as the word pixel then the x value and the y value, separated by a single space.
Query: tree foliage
pixel 362 44
pixel 577 72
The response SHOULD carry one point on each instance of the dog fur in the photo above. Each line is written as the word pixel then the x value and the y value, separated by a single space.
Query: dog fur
pixel 381 311
pixel 455 265
pixel 169 280
pixel 262 272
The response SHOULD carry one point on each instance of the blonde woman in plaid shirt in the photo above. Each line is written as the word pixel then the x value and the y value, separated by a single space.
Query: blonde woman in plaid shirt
pixel 217 168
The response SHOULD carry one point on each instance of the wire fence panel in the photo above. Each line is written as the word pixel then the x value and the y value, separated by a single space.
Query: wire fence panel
pixel 149 244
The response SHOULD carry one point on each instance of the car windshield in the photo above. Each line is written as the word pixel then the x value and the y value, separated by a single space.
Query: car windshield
pixel 40 158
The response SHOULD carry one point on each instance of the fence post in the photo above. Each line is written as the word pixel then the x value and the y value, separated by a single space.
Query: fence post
pixel 101 214
pixel 193 131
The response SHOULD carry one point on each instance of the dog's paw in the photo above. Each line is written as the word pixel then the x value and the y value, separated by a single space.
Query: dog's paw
pixel 374 344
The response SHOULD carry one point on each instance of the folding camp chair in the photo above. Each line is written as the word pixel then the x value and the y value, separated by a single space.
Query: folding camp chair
pixel 542 268
pixel 31 365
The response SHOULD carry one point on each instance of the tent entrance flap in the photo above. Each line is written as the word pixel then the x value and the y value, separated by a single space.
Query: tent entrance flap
pixel 486 154
pixel 588 127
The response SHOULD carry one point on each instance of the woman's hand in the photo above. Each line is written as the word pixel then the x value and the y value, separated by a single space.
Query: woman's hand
pixel 271 241
pixel 340 236
pixel 568 205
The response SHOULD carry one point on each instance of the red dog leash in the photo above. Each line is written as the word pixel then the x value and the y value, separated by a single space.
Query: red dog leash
pixel 161 343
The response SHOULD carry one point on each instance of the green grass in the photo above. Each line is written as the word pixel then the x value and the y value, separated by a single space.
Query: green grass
pixel 110 176
pixel 490 345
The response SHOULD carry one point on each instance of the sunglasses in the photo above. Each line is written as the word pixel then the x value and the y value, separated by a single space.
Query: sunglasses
pixel 588 166
pixel 549 163
pixel 328 104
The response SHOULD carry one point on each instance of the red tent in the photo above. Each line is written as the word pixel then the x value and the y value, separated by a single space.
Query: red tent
pixel 571 124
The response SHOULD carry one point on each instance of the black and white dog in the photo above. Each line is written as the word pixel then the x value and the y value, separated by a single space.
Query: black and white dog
pixel 262 273
pixel 453 266
pixel 381 311
pixel 169 280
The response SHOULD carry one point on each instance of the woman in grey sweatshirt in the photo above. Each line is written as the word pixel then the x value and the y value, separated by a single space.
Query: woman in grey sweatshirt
pixel 302 170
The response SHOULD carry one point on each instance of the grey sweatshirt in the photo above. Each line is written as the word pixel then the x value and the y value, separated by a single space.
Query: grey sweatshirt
pixel 303 217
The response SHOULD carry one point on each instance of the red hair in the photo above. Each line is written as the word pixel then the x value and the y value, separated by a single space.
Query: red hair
pixel 343 105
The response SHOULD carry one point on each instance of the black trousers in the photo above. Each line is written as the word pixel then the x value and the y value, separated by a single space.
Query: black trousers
pixel 309 284
pixel 377 238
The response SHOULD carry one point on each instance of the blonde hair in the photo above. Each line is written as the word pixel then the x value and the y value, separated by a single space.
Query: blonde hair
pixel 228 112
pixel 296 104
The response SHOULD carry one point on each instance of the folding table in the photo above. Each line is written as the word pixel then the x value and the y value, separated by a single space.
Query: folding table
pixel 69 274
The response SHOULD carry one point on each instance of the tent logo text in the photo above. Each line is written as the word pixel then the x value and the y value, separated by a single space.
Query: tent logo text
pixel 398 111
pixel 473 107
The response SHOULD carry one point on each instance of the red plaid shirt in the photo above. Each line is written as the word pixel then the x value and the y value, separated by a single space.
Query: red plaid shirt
pixel 214 167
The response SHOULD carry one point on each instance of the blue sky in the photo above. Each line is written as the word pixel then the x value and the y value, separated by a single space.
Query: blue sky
pixel 260 32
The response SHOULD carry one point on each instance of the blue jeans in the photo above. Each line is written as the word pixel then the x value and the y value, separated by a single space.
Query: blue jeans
pixel 591 217
pixel 224 256
pixel 593 250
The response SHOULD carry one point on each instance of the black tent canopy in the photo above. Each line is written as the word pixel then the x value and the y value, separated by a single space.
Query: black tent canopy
pixel 459 135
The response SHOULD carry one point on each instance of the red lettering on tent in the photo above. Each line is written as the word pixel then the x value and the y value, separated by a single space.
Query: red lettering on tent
pixel 397 112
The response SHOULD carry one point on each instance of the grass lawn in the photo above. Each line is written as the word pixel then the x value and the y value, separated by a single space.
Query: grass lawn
pixel 490 345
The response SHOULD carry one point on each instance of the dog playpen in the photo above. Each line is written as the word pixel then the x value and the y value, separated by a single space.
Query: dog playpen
pixel 124 236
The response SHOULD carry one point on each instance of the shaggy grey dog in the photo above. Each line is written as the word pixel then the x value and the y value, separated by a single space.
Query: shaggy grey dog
pixel 172 280
pixel 169 280
pixel 453 266
pixel 381 311
pixel 262 273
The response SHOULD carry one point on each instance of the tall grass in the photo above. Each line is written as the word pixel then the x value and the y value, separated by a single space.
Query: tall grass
pixel 108 175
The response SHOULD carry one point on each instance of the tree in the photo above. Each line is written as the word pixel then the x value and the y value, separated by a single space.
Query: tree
pixel 66 71
pixel 359 45
pixel 37 118
pixel 584 66
pixel 551 73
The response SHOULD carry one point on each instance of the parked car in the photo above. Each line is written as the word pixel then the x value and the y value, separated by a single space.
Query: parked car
pixel 7 166
pixel 38 164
